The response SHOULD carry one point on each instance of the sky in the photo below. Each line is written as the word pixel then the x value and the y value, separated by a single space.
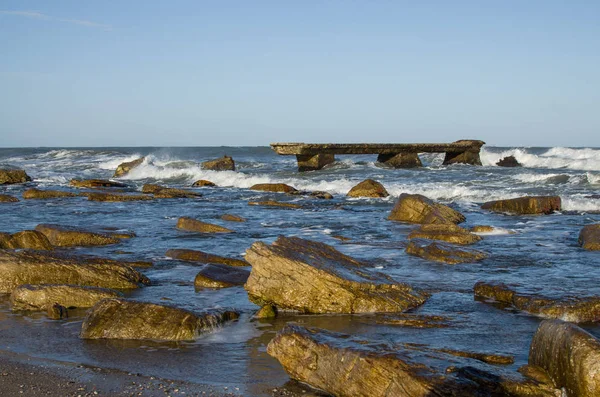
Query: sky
pixel 248 73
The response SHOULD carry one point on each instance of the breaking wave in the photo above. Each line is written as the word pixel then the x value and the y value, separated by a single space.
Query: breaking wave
pixel 554 158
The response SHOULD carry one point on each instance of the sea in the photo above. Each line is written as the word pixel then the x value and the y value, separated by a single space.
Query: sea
pixel 535 254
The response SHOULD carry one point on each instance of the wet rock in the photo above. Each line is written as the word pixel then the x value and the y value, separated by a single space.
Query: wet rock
pixel 115 197
pixel 95 183
pixel 443 252
pixel 203 183
pixel 9 176
pixel 125 319
pixel 488 358
pixel 400 160
pixel 199 256
pixel 577 310
pixel 224 163
pixel 34 267
pixel 37 194
pixel 267 311
pixel 525 205
pixel 68 236
pixel 124 168
pixel 482 229
pixel 413 320
pixel 232 218
pixel 368 188
pixel 589 237
pixel 57 312
pixel 273 203
pixel 220 276
pixel 341 238
pixel 30 239
pixel 415 208
pixel 274 187
pixel 321 195
pixel 194 225
pixel 509 161
pixel 450 233
pixel 168 192
pixel 570 355
pixel 5 198
pixel 311 277
pixel 42 297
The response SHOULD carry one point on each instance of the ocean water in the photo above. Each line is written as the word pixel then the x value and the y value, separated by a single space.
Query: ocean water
pixel 538 254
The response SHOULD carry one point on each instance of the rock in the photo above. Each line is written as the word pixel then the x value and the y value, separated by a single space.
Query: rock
pixel 203 183
pixel 30 267
pixel 5 198
pixel 224 163
pixel 57 312
pixel 117 197
pixel 345 366
pixel 273 203
pixel 312 277
pixel 589 237
pixel 38 194
pixel 525 205
pixel 125 319
pixel 220 276
pixel 443 252
pixel 415 208
pixel 446 232
pixel 482 229
pixel 400 160
pixel 569 355
pixel 29 239
pixel 267 311
pixel 9 176
pixel 368 188
pixel 413 320
pixel 124 168
pixel 194 225
pixel 95 183
pixel 577 310
pixel 509 161
pixel 168 192
pixel 274 187
pixel 199 256
pixel 494 359
pixel 42 297
pixel 321 195
pixel 232 218
pixel 341 238
pixel 68 236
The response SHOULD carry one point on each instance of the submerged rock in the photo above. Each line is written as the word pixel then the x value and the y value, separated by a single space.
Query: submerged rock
pixel 482 229
pixel 224 163
pixel 26 239
pixel 267 311
pixel 589 237
pixel 311 277
pixel 199 256
pixel 446 232
pixel 531 205
pixel 412 320
pixel 9 176
pixel 509 161
pixel 5 198
pixel 95 183
pixel 203 183
pixel 30 267
pixel 125 319
pixel 68 236
pixel 168 192
pixel 37 194
pixel 274 187
pixel 577 310
pixel 115 197
pixel 42 297
pixel 368 188
pixel 321 195
pixel 194 225
pixel 232 218
pixel 273 203
pixel 415 208
pixel 220 276
pixel 569 355
pixel 443 252
pixel 124 168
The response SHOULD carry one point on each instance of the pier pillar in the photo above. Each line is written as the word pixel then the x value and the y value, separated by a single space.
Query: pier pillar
pixel 400 160
pixel 468 156
pixel 312 162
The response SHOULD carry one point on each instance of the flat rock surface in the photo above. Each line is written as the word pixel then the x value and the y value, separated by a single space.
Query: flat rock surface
pixel 68 236
pixel 194 225
pixel 443 252
pixel 445 232
pixel 220 276
pixel 531 205
pixel 416 208
pixel 40 297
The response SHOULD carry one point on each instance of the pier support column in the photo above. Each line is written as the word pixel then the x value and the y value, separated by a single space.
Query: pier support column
pixel 312 162
pixel 400 160
pixel 467 157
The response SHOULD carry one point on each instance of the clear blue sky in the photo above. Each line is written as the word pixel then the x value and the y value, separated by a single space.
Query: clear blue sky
pixel 204 73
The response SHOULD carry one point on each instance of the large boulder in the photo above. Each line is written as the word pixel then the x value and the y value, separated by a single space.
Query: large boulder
pixel 125 319
pixel 168 192
pixel 124 168
pixel 311 277
pixel 42 297
pixel 68 236
pixel 415 208
pixel 194 225
pixel 577 310
pixel 6 198
pixel 531 205
pixel 449 232
pixel 29 267
pixel 203 257
pixel 9 176
pixel 26 239
pixel 224 163
pixel 443 252
pixel 509 161
pixel 589 237
pixel 569 355
pixel 368 188
pixel 220 276
pixel 95 183
pixel 37 194
pixel 345 366
pixel 274 187
pixel 115 197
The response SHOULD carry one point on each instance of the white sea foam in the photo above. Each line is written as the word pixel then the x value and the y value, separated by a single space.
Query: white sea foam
pixel 555 158
pixel 113 162
pixel 580 204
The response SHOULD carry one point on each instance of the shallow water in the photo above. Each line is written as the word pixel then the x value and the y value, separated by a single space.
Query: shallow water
pixel 541 255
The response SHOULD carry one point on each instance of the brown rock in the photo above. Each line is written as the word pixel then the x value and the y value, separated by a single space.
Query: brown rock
pixel 203 183
pixel 321 195
pixel 67 236
pixel 124 168
pixel 267 311
pixel 312 277
pixel 125 319
pixel 224 163
pixel 482 229
pixel 570 355
pixel 368 188
pixel 445 232
pixel 576 310
pixel 42 297
pixel 168 192
pixel 114 197
pixel 5 198
pixel 9 176
pixel 525 205
pixel 199 256
pixel 194 225
pixel 413 320
pixel 30 239
pixel 57 312
pixel 273 203
pixel 509 161
pixel 38 194
pixel 232 218
pixel 443 252
pixel 95 183
pixel 400 160
pixel 415 208
pixel 589 237
pixel 220 276
pixel 274 187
